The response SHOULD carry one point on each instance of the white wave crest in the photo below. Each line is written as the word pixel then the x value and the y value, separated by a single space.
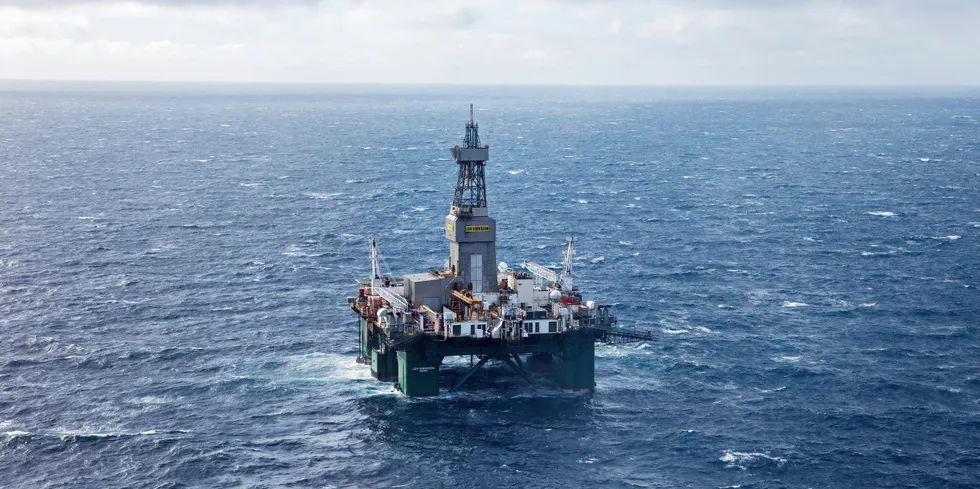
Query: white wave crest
pixel 743 460
pixel 318 195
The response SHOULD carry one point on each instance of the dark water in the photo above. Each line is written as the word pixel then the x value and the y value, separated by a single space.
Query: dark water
pixel 174 262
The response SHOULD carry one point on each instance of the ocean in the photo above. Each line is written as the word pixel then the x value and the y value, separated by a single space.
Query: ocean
pixel 175 262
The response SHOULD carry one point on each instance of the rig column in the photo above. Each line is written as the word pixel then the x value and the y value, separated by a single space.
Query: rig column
pixel 384 365
pixel 418 371
pixel 574 369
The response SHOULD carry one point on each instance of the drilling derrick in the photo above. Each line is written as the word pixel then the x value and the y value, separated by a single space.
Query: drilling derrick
pixel 471 232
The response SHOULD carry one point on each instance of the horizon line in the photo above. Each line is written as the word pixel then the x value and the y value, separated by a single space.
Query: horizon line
pixel 485 84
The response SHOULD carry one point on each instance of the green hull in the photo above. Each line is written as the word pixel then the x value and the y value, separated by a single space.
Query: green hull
pixel 418 373
pixel 384 366
pixel 574 368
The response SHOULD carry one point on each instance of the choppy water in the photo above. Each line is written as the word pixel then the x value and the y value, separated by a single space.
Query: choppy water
pixel 174 262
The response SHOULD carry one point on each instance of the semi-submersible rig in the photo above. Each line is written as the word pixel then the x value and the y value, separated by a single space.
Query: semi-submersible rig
pixel 478 307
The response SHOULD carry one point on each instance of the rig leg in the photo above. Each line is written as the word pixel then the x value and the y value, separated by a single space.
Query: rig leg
pixel 469 374
pixel 519 369
pixel 540 362
pixel 574 369
pixel 384 365
pixel 418 372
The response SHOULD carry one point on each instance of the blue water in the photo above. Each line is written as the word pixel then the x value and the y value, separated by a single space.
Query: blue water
pixel 174 262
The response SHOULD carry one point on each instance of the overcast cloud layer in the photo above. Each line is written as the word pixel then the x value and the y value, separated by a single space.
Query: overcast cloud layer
pixel 659 42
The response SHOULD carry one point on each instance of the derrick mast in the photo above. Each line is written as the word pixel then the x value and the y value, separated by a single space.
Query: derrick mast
pixel 471 232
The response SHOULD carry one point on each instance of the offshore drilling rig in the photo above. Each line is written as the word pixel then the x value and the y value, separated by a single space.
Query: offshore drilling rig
pixel 477 307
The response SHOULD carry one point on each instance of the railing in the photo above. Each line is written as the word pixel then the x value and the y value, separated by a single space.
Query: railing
pixel 620 335
pixel 404 342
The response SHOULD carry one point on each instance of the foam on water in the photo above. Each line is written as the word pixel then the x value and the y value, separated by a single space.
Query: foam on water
pixel 746 460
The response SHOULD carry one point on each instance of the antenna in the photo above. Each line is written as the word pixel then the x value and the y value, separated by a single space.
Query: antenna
pixel 471 114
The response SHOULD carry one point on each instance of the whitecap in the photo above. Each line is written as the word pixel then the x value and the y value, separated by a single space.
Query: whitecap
pixel 878 253
pixel 150 400
pixel 581 201
pixel 515 172
pixel 880 213
pixel 787 359
pixel 420 209
pixel 741 459
pixel 248 185
pixel 675 331
pixel 794 304
pixel 625 243
pixel 868 304
pixel 318 195
pixel 924 160
pixel 599 259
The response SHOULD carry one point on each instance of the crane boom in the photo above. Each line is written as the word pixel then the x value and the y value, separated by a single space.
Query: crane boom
pixel 562 279
pixel 393 298
pixel 541 271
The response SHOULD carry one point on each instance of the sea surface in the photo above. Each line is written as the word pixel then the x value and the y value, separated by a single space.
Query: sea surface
pixel 175 262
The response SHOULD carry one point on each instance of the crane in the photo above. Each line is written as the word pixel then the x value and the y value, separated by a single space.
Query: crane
pixel 380 280
pixel 562 279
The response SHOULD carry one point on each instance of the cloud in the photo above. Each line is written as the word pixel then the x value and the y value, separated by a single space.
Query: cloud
pixel 495 41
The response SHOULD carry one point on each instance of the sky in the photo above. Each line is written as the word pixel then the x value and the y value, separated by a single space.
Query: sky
pixel 587 42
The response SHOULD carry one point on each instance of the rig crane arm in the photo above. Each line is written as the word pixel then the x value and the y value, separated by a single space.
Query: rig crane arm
pixel 565 277
pixel 393 298
pixel 562 279
pixel 541 271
